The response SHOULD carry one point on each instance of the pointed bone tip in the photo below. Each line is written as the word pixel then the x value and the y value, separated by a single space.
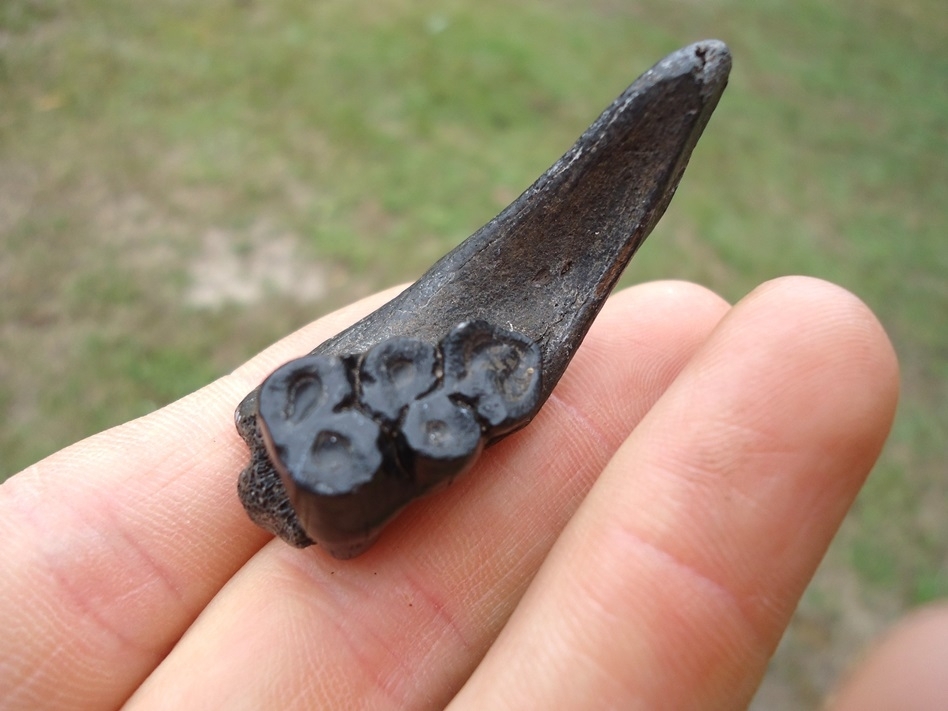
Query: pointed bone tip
pixel 709 60
pixel 715 57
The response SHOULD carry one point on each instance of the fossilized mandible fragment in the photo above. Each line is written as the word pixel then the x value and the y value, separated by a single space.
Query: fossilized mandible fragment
pixel 405 400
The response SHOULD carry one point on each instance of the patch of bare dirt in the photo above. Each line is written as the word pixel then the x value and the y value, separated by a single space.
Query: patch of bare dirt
pixel 237 269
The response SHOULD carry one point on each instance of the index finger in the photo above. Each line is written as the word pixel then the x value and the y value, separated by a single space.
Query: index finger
pixel 110 548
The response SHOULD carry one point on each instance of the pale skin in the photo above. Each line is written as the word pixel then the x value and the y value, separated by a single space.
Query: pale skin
pixel 641 545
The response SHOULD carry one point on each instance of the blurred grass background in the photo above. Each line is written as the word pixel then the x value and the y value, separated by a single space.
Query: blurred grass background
pixel 171 172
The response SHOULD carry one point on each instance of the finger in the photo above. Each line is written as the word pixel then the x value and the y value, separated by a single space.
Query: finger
pixel 110 548
pixel 908 671
pixel 403 625
pixel 676 578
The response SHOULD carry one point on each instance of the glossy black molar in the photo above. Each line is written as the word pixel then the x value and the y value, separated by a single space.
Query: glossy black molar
pixel 394 373
pixel 355 438
pixel 496 371
pixel 309 440
pixel 441 439
pixel 543 267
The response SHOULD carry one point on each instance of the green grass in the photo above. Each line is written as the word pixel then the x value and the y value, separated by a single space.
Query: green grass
pixel 378 135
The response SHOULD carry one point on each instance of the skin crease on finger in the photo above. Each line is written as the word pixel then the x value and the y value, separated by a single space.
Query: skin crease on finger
pixel 404 625
pixel 747 464
pixel 112 547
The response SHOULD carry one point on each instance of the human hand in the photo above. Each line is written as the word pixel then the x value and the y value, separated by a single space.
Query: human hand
pixel 906 671
pixel 642 544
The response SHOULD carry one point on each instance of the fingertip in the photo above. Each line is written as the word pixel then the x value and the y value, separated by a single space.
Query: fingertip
pixel 668 294
pixel 671 318
pixel 905 671
pixel 838 341
pixel 834 310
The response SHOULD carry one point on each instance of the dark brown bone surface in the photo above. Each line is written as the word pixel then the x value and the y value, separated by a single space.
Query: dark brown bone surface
pixel 538 273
